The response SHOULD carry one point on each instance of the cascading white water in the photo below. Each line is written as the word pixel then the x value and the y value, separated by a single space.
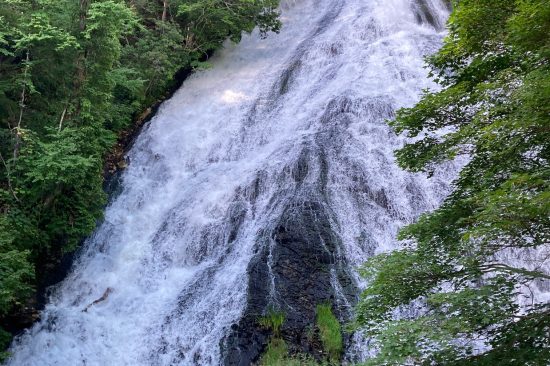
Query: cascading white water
pixel 211 172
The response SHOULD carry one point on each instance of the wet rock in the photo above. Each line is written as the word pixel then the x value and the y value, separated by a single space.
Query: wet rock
pixel 423 13
pixel 300 169
pixel 23 318
pixel 295 270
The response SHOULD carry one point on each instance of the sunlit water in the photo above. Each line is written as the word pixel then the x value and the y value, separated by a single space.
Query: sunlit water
pixel 169 249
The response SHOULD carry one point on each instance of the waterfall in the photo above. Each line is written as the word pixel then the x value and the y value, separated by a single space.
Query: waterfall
pixel 263 182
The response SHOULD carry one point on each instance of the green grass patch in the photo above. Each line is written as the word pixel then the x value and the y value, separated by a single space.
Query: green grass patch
pixel 330 331
pixel 273 320
pixel 277 355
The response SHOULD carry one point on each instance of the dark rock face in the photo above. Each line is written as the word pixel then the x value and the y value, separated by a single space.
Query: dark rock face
pixel 423 13
pixel 295 270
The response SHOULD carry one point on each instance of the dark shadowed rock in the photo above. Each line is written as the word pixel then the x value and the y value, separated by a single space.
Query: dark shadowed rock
pixel 295 271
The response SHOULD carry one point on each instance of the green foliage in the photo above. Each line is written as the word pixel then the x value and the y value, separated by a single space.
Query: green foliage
pixel 494 107
pixel 5 339
pixel 277 355
pixel 15 273
pixel 74 74
pixel 273 320
pixel 223 19
pixel 329 331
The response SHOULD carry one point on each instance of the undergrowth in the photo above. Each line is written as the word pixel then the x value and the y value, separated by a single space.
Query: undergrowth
pixel 329 331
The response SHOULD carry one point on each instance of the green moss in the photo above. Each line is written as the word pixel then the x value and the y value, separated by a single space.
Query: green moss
pixel 329 331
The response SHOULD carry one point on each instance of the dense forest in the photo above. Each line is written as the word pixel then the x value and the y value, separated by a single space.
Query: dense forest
pixel 77 75
pixel 74 75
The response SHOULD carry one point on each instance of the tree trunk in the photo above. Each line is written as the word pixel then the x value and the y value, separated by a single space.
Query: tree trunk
pixel 80 74
pixel 83 13
pixel 22 106
pixel 164 10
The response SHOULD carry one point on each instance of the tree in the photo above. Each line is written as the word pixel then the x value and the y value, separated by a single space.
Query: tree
pixel 461 282
pixel 210 22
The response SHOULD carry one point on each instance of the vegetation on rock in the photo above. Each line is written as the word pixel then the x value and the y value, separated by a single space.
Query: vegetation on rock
pixel 466 267
pixel 277 352
pixel 329 331
pixel 277 355
pixel 273 321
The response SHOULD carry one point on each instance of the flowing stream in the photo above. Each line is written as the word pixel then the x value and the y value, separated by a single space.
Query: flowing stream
pixel 282 141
